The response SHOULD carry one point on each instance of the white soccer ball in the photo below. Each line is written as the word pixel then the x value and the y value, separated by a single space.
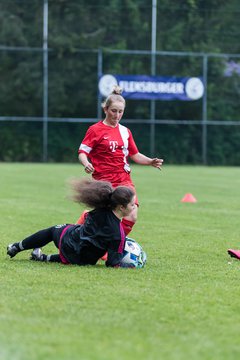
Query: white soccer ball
pixel 133 254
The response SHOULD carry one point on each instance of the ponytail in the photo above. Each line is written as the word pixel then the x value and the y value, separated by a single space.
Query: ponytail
pixel 99 194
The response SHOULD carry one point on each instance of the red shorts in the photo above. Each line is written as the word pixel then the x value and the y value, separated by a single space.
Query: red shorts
pixel 119 179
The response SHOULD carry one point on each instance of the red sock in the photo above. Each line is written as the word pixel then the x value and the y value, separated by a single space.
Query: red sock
pixel 82 218
pixel 127 226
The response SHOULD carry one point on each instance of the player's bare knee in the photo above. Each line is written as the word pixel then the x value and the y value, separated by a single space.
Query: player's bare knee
pixel 132 217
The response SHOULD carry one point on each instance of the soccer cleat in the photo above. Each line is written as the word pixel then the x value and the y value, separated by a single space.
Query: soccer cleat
pixel 234 253
pixel 12 250
pixel 36 254
pixel 104 257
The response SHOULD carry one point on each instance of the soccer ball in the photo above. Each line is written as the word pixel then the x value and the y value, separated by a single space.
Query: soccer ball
pixel 133 254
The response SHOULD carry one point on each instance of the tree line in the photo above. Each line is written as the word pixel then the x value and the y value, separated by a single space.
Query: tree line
pixel 77 28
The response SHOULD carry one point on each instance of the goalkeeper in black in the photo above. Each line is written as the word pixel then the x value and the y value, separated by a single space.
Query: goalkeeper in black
pixel 101 232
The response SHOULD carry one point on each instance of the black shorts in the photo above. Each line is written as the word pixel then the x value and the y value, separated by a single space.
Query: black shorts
pixel 57 232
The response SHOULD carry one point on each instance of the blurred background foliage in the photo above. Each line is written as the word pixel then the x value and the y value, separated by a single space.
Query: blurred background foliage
pixel 77 30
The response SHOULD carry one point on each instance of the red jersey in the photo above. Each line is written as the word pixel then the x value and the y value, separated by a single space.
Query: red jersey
pixel 108 149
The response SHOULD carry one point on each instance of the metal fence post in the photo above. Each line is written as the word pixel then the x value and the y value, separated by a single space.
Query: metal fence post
pixel 204 111
pixel 153 72
pixel 100 70
pixel 45 80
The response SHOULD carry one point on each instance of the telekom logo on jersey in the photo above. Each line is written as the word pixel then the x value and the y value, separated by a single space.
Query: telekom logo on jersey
pixel 113 145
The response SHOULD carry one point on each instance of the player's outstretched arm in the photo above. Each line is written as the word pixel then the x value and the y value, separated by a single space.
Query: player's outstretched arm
pixel 144 160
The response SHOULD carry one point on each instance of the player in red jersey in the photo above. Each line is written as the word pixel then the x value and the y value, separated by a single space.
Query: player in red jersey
pixel 105 149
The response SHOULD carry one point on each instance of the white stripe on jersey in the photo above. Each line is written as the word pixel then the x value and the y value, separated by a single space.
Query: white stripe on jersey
pixel 125 135
pixel 85 148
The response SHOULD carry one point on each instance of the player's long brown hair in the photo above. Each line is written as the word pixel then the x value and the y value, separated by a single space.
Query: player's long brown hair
pixel 100 194
pixel 114 96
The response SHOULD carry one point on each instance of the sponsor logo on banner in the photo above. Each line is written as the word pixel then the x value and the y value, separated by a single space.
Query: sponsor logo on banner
pixel 153 87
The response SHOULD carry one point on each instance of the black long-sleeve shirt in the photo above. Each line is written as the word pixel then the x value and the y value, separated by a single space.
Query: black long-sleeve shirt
pixel 102 232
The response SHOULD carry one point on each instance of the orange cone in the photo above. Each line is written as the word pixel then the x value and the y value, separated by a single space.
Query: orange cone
pixel 189 198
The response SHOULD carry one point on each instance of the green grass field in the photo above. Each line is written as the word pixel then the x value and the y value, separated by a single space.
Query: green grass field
pixel 183 305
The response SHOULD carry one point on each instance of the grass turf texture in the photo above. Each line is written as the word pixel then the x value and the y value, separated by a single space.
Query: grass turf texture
pixel 183 305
